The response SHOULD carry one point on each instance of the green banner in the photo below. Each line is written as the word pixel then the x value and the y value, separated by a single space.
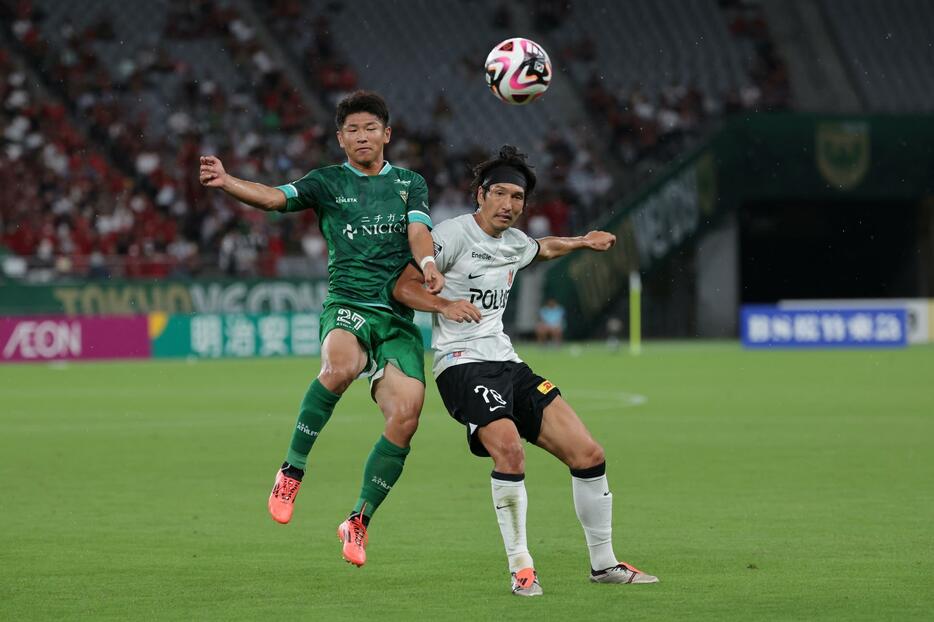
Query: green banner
pixel 166 296
pixel 209 335
pixel 236 335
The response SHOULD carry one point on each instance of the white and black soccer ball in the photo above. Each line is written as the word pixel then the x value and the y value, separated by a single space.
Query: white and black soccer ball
pixel 518 71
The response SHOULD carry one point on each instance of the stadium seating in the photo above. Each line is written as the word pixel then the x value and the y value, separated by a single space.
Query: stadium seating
pixel 887 48
pixel 154 84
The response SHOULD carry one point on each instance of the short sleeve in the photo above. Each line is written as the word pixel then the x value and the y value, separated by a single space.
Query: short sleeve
pixel 449 244
pixel 417 209
pixel 529 251
pixel 304 193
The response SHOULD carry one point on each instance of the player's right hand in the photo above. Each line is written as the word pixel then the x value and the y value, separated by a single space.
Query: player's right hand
pixel 461 311
pixel 212 173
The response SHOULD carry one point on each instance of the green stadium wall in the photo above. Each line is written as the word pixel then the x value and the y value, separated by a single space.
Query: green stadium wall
pixel 761 157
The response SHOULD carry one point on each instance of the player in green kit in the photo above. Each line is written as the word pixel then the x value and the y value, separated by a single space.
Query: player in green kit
pixel 375 219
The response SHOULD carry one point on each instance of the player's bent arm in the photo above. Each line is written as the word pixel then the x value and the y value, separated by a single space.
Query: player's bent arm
pixel 255 194
pixel 410 291
pixel 423 249
pixel 553 247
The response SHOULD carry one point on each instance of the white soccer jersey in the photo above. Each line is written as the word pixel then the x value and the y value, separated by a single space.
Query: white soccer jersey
pixel 478 268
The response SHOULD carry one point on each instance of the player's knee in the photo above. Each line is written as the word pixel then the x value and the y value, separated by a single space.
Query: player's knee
pixel 587 456
pixel 337 377
pixel 402 419
pixel 509 457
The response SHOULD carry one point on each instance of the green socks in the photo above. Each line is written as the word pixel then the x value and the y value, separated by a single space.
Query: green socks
pixel 315 411
pixel 383 468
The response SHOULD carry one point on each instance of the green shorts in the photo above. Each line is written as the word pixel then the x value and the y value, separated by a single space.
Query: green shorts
pixel 384 336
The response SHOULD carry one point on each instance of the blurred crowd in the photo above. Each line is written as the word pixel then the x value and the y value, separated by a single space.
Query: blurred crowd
pixel 101 134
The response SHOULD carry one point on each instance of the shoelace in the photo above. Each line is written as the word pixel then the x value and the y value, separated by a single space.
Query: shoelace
pixel 357 531
pixel 287 488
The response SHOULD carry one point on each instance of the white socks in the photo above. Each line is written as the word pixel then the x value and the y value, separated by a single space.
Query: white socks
pixel 593 503
pixel 511 504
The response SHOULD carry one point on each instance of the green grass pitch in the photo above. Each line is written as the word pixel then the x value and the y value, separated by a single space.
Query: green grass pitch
pixel 756 485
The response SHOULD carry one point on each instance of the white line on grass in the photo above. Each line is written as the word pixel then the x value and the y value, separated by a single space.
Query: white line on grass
pixel 609 400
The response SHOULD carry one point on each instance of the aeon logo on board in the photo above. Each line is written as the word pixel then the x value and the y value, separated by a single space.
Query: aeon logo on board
pixel 47 339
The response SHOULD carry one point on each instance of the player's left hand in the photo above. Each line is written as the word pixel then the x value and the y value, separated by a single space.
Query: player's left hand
pixel 599 240
pixel 434 280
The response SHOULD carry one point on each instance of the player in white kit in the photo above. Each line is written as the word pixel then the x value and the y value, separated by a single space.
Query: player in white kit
pixel 487 387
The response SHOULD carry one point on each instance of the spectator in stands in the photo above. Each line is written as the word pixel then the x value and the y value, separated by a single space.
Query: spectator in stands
pixel 550 327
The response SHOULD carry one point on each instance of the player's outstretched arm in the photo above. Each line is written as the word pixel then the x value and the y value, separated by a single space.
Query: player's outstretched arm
pixel 553 247
pixel 213 175
pixel 423 250
pixel 410 291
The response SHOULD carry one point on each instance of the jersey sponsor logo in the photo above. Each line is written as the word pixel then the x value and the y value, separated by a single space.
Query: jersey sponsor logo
pixel 404 182
pixel 489 298
pixel 454 355
pixel 474 276
pixel 545 387
pixel 343 200
pixel 481 256
pixel 382 228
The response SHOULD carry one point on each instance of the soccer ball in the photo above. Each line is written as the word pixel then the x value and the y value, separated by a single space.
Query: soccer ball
pixel 518 71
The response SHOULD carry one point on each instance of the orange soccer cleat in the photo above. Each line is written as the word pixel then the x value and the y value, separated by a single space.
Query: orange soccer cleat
pixel 352 533
pixel 282 497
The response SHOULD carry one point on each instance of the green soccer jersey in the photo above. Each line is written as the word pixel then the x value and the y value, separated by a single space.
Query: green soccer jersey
pixel 364 220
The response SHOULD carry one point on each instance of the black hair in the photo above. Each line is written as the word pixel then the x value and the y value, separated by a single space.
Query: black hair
pixel 362 101
pixel 508 156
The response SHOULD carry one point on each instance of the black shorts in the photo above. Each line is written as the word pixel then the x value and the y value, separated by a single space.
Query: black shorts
pixel 479 393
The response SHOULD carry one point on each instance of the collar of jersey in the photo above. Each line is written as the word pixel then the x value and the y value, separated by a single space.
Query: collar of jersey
pixel 484 233
pixel 386 168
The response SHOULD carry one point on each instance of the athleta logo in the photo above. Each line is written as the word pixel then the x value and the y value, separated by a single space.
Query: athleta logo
pixel 304 429
pixel 379 481
pixel 490 298
pixel 481 256
pixel 343 200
